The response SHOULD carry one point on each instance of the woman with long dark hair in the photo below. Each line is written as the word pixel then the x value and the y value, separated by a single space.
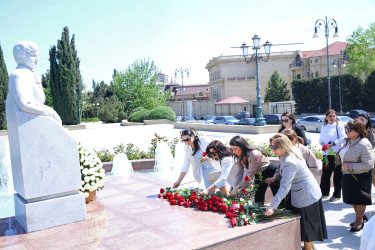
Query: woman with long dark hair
pixel 288 122
pixel 365 119
pixel 250 161
pixel 357 163
pixel 218 152
pixel 333 136
pixel 194 148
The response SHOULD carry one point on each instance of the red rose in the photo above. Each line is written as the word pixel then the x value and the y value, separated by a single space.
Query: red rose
pixel 181 203
pixel 233 202
pixel 205 208
pixel 214 209
pixel 325 167
pixel 214 198
pixel 245 222
pixel 220 200
pixel 233 220
pixel 244 191
pixel 247 178
pixel 164 196
pixel 251 214
pixel 325 147
pixel 224 208
pixel 194 193
pixel 204 154
pixel 162 190
pixel 159 195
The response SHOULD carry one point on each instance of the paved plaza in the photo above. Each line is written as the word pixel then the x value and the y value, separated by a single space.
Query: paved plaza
pixel 338 215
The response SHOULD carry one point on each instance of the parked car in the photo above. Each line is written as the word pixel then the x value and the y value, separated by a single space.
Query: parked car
pixel 246 121
pixel 189 119
pixel 272 118
pixel 343 119
pixel 355 112
pixel 227 120
pixel 312 123
pixel 242 114
pixel 209 119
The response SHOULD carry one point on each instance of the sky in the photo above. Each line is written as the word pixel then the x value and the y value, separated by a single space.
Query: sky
pixel 112 34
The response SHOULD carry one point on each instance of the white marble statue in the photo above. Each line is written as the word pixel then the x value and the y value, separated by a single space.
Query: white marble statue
pixel 25 87
pixel 44 157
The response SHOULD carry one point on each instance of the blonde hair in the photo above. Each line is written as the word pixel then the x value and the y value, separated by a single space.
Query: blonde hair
pixel 291 134
pixel 283 142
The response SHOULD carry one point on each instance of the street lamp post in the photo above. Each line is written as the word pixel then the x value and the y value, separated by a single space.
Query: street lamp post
pixel 182 71
pixel 257 56
pixel 339 62
pixel 331 23
pixel 97 109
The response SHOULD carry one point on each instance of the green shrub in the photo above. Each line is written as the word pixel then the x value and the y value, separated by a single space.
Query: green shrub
pixel 144 115
pixel 105 156
pixel 162 112
pixel 92 119
pixel 136 110
pixel 136 117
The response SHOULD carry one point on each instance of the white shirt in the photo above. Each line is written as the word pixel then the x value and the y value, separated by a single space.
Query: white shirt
pixel 332 133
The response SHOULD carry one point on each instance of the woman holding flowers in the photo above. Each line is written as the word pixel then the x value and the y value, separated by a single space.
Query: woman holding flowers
pixel 357 163
pixel 250 162
pixel 195 150
pixel 365 119
pixel 332 136
pixel 305 192
pixel 218 152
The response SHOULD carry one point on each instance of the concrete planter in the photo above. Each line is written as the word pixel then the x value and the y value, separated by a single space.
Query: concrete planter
pixel 136 164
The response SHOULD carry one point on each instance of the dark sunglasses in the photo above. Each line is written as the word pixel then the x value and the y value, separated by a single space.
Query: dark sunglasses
pixel 347 129
pixel 186 140
pixel 274 147
pixel 210 154
pixel 286 120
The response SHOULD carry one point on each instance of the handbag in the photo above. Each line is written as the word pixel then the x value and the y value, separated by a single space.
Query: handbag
pixel 213 176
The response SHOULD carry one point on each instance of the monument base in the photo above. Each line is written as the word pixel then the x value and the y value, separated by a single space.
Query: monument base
pixel 39 215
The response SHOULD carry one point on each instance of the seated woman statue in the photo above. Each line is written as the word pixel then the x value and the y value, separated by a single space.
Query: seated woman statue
pixel 25 88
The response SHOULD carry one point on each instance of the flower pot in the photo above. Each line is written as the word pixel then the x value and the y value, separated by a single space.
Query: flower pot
pixel 92 196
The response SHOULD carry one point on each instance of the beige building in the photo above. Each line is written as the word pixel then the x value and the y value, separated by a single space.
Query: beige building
pixel 231 76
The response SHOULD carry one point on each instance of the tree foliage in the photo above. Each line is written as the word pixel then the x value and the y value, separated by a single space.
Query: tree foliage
pixel 47 89
pixel 65 78
pixel 4 78
pixel 312 93
pixel 277 90
pixel 136 86
pixel 361 51
pixel 369 87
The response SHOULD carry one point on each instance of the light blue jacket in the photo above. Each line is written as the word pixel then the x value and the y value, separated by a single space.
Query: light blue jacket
pixel 295 176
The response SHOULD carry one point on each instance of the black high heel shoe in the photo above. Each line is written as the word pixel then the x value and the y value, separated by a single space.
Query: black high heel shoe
pixel 353 229
pixel 364 219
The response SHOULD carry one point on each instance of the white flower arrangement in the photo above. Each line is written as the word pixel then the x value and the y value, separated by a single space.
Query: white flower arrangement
pixel 92 173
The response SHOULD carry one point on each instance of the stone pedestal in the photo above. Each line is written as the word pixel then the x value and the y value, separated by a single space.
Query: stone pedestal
pixel 46 171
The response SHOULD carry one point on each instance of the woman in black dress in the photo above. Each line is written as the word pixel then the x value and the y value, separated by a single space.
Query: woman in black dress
pixel 289 122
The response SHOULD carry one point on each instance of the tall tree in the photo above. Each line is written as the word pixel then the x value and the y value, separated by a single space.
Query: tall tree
pixel 65 78
pixel 277 90
pixel 47 88
pixel 361 51
pixel 4 78
pixel 137 87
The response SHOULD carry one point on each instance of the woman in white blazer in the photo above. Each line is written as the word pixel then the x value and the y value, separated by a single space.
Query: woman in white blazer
pixel 194 148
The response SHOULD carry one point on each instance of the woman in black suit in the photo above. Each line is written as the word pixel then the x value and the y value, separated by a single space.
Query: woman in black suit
pixel 289 122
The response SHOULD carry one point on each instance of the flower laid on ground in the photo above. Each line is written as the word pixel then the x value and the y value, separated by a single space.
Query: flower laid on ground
pixel 92 173
pixel 240 212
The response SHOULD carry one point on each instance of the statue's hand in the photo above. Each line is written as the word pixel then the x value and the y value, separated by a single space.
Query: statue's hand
pixel 51 112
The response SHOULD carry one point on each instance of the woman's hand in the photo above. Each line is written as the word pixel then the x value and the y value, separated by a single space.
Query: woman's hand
pixel 234 191
pixel 176 184
pixel 203 159
pixel 204 193
pixel 270 180
pixel 269 211
pixel 345 166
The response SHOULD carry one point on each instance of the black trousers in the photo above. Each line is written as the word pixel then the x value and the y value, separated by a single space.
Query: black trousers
pixel 325 181
pixel 262 188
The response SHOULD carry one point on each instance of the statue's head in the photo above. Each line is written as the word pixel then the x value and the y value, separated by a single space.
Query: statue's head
pixel 26 53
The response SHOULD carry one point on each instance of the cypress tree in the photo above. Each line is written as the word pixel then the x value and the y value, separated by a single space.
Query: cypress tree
pixel 64 78
pixel 277 89
pixel 4 78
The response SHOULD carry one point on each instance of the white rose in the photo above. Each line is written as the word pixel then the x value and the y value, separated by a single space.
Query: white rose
pixel 97 180
pixel 92 183
pixel 87 186
pixel 87 179
pixel 85 171
pixel 82 183
pixel 86 194
pixel 82 190
pixel 81 167
pixel 91 189
pixel 93 178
